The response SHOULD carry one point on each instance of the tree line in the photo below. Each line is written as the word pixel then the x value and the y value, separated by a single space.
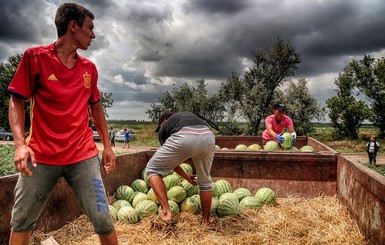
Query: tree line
pixel 360 96
pixel 247 99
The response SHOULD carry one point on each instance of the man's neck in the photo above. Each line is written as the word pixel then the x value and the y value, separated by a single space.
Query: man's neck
pixel 66 52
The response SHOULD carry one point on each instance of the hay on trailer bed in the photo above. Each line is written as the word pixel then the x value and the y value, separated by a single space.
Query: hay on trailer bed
pixel 321 220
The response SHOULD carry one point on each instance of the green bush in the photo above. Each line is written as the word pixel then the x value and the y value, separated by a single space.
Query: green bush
pixel 7 152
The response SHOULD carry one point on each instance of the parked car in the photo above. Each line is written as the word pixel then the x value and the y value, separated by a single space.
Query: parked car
pixel 96 134
pixel 4 135
pixel 119 137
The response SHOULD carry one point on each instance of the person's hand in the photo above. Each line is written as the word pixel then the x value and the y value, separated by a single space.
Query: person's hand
pixel 294 137
pixel 108 159
pixel 279 138
pixel 192 179
pixel 22 155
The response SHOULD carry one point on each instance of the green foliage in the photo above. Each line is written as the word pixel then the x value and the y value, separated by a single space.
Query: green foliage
pixel 346 113
pixel 106 100
pixel 7 71
pixel 302 107
pixel 7 152
pixel 249 98
pixel 379 169
pixel 254 94
pixel 190 98
pixel 369 75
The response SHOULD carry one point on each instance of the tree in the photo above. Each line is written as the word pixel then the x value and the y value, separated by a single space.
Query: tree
pixel 255 93
pixel 302 106
pixel 106 100
pixel 369 75
pixel 7 71
pixel 346 113
pixel 231 93
pixel 190 98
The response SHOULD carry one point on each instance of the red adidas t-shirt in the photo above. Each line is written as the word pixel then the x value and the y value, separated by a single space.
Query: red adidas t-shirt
pixel 59 98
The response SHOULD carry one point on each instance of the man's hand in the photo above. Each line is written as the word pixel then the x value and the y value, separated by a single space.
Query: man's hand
pixel 192 179
pixel 22 155
pixel 280 138
pixel 108 159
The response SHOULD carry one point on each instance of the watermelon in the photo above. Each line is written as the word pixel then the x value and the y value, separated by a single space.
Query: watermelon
pixel 138 198
pixel 307 148
pixel 213 207
pixel 288 140
pixel 120 203
pixel 146 208
pixel 241 147
pixel 241 193
pixel 139 185
pixel 254 147
pixel 151 195
pixel 225 149
pixel 271 146
pixel 189 205
pixel 187 168
pixel 124 192
pixel 176 194
pixel 221 186
pixel 145 177
pixel 293 148
pixel 171 181
pixel 217 147
pixel 214 204
pixel 228 195
pixel 113 212
pixel 128 214
pixel 228 206
pixel 189 188
pixel 173 207
pixel 265 195
pixel 249 202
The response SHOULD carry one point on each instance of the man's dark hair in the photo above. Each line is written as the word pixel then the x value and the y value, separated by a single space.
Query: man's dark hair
pixel 70 11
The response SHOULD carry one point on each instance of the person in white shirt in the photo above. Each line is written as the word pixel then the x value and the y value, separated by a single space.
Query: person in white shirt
pixel 372 149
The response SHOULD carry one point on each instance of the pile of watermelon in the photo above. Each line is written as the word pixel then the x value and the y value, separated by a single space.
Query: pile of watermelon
pixel 137 201
pixel 271 145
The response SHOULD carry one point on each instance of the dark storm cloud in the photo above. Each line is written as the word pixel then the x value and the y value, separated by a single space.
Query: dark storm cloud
pixel 216 6
pixel 22 21
pixel 143 47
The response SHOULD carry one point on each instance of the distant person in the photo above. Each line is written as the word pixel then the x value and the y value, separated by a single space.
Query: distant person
pixel 182 136
pixel 372 148
pixel 276 124
pixel 126 141
pixel 112 136
pixel 61 86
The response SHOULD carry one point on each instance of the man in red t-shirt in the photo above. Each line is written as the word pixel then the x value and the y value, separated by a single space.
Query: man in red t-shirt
pixel 276 124
pixel 62 89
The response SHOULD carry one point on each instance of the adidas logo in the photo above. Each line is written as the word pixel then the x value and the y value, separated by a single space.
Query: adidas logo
pixel 52 77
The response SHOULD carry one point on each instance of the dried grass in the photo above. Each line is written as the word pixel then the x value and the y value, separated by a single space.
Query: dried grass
pixel 321 220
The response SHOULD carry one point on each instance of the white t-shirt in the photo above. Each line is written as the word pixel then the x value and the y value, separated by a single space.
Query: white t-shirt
pixel 371 146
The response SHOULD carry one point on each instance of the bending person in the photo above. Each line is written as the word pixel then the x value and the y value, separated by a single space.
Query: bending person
pixel 182 136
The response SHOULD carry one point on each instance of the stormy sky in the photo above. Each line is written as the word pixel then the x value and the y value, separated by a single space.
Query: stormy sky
pixel 144 48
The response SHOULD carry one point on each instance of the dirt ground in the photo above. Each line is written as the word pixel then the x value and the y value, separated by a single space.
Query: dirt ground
pixel 363 158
